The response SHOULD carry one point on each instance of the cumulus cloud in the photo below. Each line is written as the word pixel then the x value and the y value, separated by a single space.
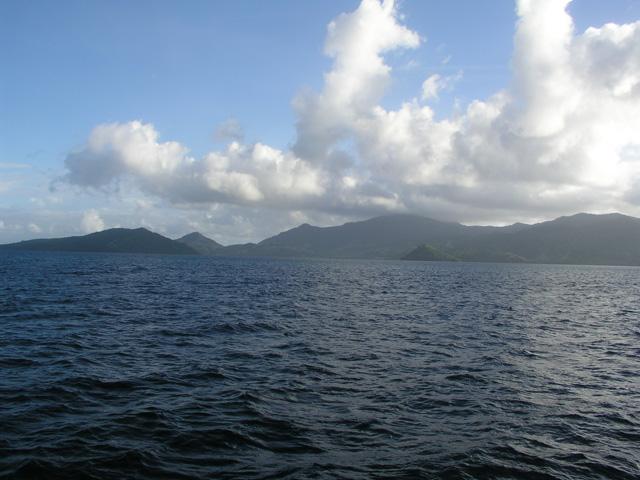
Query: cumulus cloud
pixel 561 137
pixel 356 83
pixel 241 174
pixel 92 222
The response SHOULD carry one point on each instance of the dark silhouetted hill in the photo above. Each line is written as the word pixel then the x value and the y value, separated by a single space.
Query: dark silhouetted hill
pixel 201 244
pixel 611 239
pixel 114 240
pixel 388 236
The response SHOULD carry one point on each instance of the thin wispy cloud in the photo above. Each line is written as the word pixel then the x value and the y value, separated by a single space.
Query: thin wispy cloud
pixel 13 165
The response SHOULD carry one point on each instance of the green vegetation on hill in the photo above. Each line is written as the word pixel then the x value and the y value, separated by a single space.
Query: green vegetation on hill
pixel 429 253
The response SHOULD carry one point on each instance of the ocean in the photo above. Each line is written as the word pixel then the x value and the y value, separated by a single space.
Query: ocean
pixel 178 367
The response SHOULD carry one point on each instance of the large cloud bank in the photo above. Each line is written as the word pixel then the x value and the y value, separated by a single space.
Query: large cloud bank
pixel 562 137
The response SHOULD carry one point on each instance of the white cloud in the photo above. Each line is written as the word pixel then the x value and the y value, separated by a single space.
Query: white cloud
pixel 241 174
pixel 561 137
pixel 545 84
pixel 92 222
pixel 34 228
pixel 431 86
pixel 435 83
pixel 356 83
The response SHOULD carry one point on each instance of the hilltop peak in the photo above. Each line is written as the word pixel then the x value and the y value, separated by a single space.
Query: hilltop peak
pixel 193 235
pixel 200 243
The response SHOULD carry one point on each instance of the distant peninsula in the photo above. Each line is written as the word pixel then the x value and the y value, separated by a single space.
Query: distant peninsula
pixel 609 239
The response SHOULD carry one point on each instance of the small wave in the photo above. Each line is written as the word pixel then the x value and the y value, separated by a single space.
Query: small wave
pixel 243 327
pixel 466 378
pixel 206 374
pixel 18 362
pixel 212 439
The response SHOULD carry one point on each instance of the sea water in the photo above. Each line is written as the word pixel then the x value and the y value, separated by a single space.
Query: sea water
pixel 147 366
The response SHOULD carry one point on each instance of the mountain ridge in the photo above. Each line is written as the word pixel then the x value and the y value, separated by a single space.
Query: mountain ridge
pixel 582 238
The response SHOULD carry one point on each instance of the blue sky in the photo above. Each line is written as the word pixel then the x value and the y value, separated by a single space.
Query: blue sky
pixel 185 68
pixel 77 64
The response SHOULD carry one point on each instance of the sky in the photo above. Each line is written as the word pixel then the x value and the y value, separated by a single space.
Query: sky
pixel 242 119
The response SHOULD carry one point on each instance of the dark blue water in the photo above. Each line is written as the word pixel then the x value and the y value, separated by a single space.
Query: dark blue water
pixel 118 366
